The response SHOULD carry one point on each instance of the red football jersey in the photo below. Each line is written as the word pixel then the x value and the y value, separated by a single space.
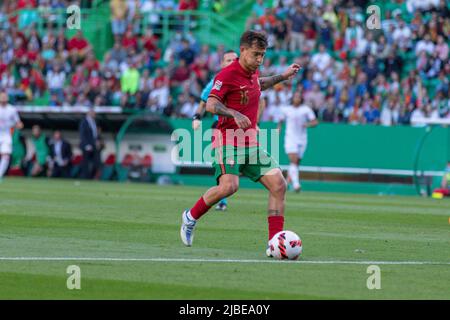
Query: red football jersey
pixel 240 90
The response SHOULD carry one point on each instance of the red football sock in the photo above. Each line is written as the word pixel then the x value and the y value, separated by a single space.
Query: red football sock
pixel 199 209
pixel 445 192
pixel 276 224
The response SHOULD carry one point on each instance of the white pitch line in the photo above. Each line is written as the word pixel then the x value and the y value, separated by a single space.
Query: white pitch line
pixel 221 260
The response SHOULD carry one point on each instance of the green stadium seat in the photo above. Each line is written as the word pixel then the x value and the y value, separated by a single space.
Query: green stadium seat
pixel 107 171
pixel 76 166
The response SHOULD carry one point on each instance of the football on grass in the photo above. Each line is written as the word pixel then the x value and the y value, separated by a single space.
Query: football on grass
pixel 285 245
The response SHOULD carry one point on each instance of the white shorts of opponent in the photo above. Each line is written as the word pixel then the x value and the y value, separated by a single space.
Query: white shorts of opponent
pixel 296 147
pixel 5 145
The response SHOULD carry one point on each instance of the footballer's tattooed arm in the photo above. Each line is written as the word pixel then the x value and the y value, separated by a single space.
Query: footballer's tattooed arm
pixel 267 82
pixel 214 106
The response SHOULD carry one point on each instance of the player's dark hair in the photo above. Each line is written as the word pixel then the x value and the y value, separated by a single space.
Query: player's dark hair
pixel 251 37
pixel 230 51
pixel 302 99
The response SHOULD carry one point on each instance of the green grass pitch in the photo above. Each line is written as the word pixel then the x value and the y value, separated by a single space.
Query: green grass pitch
pixel 138 224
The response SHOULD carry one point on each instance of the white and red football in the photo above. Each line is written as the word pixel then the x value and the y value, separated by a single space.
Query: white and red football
pixel 285 245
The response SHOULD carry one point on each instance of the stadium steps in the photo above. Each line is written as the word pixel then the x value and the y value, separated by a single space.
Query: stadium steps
pixel 96 28
pixel 227 26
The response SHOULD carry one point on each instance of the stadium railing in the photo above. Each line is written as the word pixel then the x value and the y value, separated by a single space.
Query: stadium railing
pixel 95 24
pixel 208 27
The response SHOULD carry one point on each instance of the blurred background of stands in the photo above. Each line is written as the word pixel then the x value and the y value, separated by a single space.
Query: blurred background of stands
pixel 359 74
pixel 157 55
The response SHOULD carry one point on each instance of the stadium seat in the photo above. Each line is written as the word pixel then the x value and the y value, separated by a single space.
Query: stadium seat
pixel 146 163
pixel 124 167
pixel 29 165
pixel 108 167
pixel 76 166
pixel 16 172
pixel 127 160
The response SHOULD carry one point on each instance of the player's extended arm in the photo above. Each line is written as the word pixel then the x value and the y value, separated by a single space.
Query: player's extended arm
pixel 267 82
pixel 280 124
pixel 196 120
pixel 312 124
pixel 19 125
pixel 214 106
pixel 201 108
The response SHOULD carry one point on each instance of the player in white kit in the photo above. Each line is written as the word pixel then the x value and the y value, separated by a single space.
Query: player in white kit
pixel 298 118
pixel 9 119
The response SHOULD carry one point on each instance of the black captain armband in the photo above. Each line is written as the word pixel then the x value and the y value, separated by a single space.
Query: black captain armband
pixel 197 116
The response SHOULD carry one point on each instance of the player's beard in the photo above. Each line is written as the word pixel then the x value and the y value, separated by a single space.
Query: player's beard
pixel 255 67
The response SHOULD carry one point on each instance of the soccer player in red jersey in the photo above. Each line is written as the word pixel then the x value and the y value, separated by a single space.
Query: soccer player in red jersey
pixel 235 98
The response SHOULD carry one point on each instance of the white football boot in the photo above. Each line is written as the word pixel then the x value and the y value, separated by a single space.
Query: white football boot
pixel 187 229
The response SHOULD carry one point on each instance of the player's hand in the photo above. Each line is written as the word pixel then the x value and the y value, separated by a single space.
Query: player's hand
pixel 196 124
pixel 242 121
pixel 291 71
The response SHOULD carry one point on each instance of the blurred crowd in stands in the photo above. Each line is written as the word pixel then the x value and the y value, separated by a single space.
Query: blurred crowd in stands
pixel 350 74
pixel 354 74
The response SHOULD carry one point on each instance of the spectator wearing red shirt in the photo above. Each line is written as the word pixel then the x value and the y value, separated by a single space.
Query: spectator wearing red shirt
pixel 94 84
pixel 91 63
pixel 185 5
pixel 199 66
pixel 22 4
pixel 161 78
pixel 150 43
pixel 94 80
pixel 339 40
pixel 32 53
pixel 37 81
pixel 268 20
pixel 3 67
pixel 188 5
pixel 310 36
pixel 130 40
pixel 19 49
pixel 78 48
pixel 78 81
pixel 18 35
pixel 180 74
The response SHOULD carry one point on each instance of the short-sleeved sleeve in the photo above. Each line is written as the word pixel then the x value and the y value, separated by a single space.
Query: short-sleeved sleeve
pixel 16 116
pixel 221 85
pixel 310 115
pixel 206 90
pixel 284 110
